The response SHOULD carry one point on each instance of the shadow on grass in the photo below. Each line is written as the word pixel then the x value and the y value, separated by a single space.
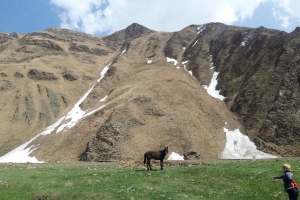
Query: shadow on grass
pixel 144 170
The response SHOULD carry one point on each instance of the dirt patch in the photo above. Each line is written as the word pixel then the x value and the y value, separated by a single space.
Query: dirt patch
pixel 156 163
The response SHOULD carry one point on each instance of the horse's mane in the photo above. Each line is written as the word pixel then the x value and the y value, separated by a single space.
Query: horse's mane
pixel 163 152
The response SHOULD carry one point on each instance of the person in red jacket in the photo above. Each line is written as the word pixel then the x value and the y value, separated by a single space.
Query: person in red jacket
pixel 287 178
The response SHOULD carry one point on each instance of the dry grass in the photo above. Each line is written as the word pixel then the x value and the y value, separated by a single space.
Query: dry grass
pixel 192 120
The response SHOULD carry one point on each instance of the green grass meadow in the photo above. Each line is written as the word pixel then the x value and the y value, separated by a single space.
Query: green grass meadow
pixel 211 179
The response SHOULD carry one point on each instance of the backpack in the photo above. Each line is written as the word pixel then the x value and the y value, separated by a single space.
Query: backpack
pixel 295 185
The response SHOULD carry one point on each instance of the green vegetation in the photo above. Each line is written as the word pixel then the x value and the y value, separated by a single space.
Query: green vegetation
pixel 209 179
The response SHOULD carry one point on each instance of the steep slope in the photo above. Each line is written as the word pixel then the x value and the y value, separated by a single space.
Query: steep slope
pixel 42 76
pixel 259 75
pixel 144 102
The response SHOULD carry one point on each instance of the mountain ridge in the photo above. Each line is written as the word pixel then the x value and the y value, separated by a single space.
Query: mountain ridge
pixel 141 102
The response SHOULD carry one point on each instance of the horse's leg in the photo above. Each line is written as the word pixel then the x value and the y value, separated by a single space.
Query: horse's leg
pixel 145 157
pixel 161 165
pixel 148 163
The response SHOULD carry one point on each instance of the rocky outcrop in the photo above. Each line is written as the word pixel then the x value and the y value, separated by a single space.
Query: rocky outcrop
pixel 70 35
pixel 179 41
pixel 154 112
pixel 29 114
pixel 13 35
pixel 46 35
pixel 48 44
pixel 18 75
pixel 88 78
pixel 54 101
pixel 3 38
pixel 100 52
pixel 40 75
pixel 44 113
pixel 6 85
pixel 84 48
pixel 69 76
pixel 104 146
pixel 79 48
pixel 2 74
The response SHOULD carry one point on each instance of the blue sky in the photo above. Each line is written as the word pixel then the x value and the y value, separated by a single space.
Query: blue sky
pixel 25 16
pixel 102 17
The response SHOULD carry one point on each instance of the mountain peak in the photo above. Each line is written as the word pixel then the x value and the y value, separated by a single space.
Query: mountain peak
pixel 136 30
pixel 135 25
pixel 297 29
pixel 133 31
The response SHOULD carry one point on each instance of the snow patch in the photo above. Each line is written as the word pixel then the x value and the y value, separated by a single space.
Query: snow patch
pixel 75 114
pixel 211 89
pixel 93 111
pixel 103 99
pixel 172 60
pixel 201 28
pixel 238 146
pixel 195 43
pixel 20 154
pixel 246 39
pixel 103 72
pixel 175 156
pixel 123 52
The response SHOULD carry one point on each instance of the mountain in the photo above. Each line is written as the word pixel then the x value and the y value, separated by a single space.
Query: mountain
pixel 137 101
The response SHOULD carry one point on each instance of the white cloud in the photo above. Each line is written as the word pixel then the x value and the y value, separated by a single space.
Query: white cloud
pixel 107 16
pixel 285 11
pixel 291 7
pixel 171 15
pixel 280 16
pixel 87 16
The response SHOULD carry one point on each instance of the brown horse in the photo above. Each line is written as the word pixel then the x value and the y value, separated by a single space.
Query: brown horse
pixel 156 155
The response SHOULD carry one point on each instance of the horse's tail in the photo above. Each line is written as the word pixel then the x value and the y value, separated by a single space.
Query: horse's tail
pixel 145 158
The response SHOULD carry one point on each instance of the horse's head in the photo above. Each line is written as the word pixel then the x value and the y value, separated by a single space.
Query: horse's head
pixel 166 150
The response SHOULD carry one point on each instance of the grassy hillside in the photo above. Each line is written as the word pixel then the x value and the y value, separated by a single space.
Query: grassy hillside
pixel 202 179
